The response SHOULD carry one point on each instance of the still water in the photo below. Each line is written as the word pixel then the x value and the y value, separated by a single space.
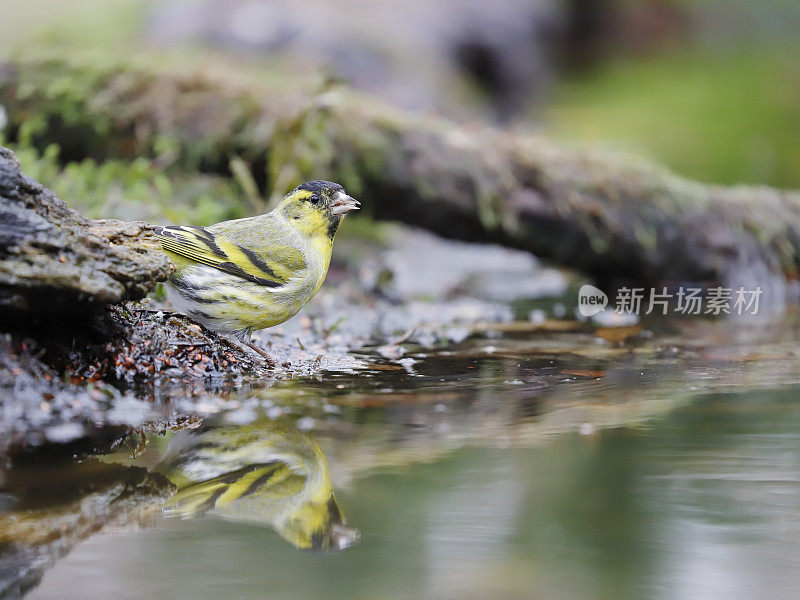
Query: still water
pixel 507 472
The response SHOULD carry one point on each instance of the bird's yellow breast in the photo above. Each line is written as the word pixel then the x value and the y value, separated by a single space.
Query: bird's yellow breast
pixel 264 307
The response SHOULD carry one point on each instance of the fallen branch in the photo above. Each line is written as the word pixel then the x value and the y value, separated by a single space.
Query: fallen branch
pixel 54 261
pixel 603 214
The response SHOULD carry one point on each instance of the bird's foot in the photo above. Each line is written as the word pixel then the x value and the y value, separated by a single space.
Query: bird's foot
pixel 245 345
pixel 267 358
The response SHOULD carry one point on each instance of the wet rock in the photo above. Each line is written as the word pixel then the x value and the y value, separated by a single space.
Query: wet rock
pixel 56 262
pixel 423 265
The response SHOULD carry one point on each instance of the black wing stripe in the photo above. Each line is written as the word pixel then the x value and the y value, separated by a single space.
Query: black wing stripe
pixel 258 262
pixel 233 269
pixel 258 483
pixel 236 475
pixel 210 503
pixel 200 231
pixel 163 232
pixel 207 238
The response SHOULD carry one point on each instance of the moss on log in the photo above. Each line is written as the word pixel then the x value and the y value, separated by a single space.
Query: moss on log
pixel 606 215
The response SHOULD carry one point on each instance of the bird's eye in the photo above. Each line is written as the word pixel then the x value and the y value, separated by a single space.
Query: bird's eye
pixel 314 199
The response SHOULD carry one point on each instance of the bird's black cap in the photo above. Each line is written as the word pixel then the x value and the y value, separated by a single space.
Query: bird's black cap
pixel 319 185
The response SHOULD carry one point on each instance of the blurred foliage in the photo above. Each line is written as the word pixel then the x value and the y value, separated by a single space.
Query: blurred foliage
pixel 136 189
pixel 107 24
pixel 720 116
pixel 731 117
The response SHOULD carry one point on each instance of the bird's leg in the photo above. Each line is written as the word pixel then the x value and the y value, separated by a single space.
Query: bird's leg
pixel 243 336
pixel 270 361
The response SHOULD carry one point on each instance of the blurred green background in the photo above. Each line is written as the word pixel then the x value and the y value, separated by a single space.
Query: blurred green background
pixel 711 88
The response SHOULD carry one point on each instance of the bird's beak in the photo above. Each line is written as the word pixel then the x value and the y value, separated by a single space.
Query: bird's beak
pixel 341 204
pixel 344 536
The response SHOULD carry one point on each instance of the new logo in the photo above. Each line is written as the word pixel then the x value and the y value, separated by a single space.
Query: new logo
pixel 591 300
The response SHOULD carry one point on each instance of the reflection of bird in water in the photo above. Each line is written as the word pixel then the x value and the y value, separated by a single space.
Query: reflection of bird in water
pixel 261 474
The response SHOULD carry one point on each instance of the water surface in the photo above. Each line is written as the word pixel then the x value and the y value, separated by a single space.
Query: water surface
pixel 502 468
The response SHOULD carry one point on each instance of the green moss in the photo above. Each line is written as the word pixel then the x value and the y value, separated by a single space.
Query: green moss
pixel 136 189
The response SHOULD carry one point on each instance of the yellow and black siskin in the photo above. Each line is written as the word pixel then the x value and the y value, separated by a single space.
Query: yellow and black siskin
pixel 262 474
pixel 239 276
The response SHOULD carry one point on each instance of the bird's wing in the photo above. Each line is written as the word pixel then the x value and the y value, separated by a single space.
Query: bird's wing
pixel 271 268
pixel 267 479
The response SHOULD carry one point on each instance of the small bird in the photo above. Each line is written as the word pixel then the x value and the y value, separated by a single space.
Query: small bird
pixel 239 276
pixel 264 474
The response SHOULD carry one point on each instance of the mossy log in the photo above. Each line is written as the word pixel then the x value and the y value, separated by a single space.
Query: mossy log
pixel 55 261
pixel 606 215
